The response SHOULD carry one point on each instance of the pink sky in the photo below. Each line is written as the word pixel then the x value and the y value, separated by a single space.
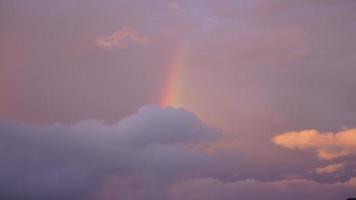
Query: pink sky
pixel 262 94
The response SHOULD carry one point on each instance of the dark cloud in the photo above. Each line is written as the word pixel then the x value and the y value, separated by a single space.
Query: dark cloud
pixel 68 162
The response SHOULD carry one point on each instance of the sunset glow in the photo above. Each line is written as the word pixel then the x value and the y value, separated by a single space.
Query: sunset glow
pixel 177 99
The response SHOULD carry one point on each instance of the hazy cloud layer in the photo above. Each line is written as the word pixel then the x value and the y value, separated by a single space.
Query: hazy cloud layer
pixel 294 189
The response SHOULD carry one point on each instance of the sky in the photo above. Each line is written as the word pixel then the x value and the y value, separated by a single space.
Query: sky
pixel 177 99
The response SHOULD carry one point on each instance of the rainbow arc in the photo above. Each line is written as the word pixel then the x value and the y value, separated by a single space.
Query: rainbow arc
pixel 172 92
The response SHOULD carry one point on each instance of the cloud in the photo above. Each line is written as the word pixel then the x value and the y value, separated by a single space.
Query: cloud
pixel 327 145
pixel 143 152
pixel 250 189
pixel 121 38
pixel 330 168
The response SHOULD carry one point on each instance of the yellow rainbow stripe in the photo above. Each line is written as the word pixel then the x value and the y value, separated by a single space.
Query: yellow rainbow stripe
pixel 172 92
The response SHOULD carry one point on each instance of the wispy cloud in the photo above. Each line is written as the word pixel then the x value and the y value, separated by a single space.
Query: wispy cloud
pixel 329 169
pixel 121 38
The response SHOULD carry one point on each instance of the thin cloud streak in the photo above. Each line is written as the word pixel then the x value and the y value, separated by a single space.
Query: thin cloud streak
pixel 121 38
pixel 330 168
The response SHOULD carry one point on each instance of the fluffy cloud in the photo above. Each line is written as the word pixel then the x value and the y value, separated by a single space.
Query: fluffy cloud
pixel 327 145
pixel 294 189
pixel 121 38
pixel 142 153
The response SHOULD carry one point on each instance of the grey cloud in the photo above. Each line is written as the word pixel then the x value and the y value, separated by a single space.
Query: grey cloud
pixel 68 162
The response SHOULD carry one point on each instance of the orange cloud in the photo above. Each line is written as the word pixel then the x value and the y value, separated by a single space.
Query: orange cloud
pixel 121 38
pixel 330 168
pixel 327 145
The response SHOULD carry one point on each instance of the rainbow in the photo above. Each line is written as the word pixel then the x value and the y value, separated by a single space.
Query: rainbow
pixel 172 92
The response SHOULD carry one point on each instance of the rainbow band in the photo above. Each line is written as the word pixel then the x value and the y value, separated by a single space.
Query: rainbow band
pixel 172 92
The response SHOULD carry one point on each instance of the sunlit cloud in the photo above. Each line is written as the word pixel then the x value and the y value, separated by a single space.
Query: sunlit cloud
pixel 121 38
pixel 330 168
pixel 327 145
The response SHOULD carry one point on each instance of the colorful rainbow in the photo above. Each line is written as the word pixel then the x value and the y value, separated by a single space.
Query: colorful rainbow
pixel 172 92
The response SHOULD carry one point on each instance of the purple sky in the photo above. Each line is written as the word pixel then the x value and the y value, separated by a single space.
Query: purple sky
pixel 267 89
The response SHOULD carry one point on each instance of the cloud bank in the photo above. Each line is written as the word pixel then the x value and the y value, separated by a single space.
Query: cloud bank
pixel 150 155
pixel 91 159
